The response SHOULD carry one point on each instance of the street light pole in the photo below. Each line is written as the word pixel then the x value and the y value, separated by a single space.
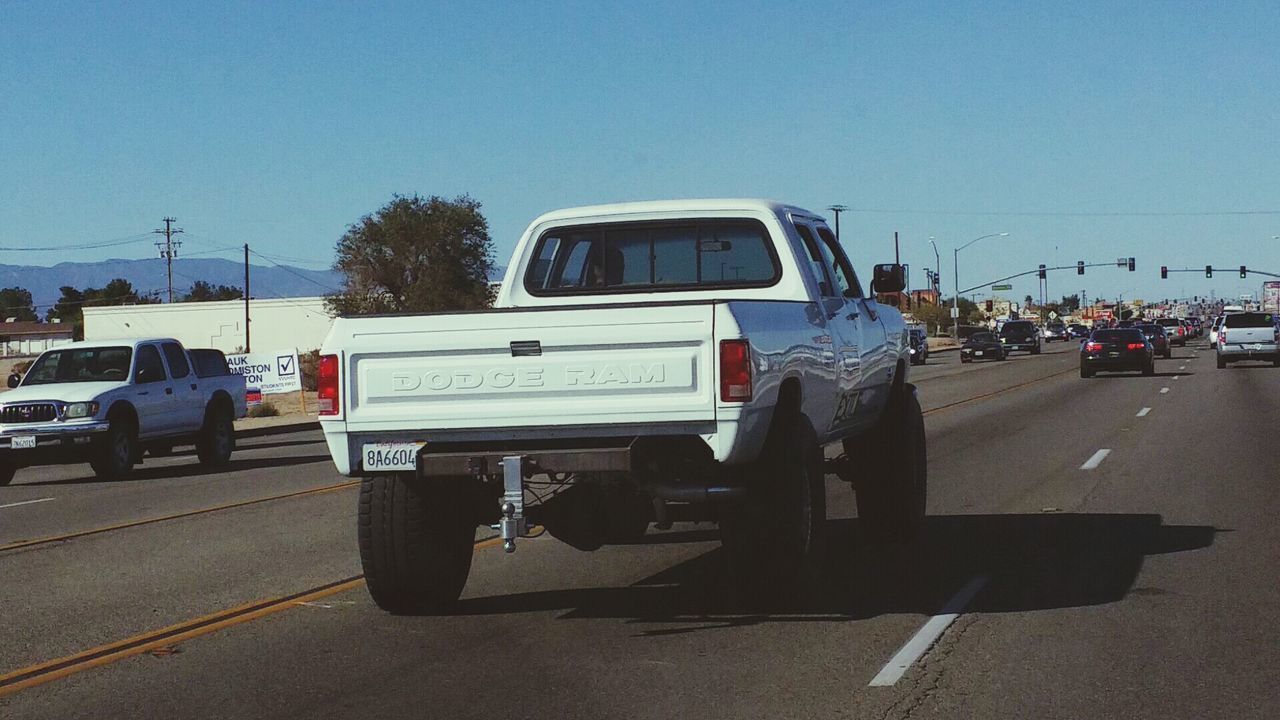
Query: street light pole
pixel 955 299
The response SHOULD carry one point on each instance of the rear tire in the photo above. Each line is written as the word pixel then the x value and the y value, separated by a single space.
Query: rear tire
pixel 416 540
pixel 1222 364
pixel 1167 354
pixel 7 471
pixel 217 438
pixel 1149 369
pixel 1086 373
pixel 774 538
pixel 892 483
pixel 117 451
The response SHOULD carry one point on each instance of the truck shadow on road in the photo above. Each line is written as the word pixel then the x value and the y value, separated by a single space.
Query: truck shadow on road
pixel 157 472
pixel 1034 562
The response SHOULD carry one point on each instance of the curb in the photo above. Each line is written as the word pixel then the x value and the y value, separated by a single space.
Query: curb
pixel 278 429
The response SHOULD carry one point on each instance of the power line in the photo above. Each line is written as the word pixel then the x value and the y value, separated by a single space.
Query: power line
pixel 295 273
pixel 85 246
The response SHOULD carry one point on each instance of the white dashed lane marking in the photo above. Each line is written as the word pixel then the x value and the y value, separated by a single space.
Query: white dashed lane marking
pixel 1143 412
pixel 927 635
pixel 26 502
pixel 1096 460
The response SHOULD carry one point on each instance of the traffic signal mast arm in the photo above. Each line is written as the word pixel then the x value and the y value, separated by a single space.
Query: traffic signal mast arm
pixel 1210 268
pixel 1037 272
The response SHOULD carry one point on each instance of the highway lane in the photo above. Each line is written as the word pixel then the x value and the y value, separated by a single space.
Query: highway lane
pixel 645 631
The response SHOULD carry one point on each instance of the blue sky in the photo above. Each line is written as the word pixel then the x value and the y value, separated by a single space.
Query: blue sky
pixel 279 125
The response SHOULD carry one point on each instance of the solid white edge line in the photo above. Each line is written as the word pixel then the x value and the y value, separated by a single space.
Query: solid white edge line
pixel 1164 390
pixel 924 639
pixel 1096 459
pixel 26 502
pixel 1143 412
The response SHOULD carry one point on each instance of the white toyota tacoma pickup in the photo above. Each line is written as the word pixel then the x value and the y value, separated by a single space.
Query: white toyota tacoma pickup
pixel 109 402
pixel 645 362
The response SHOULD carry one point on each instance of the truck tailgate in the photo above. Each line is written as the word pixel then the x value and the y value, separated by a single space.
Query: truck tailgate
pixel 554 367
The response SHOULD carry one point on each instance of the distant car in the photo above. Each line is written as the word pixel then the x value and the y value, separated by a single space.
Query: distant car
pixel 1158 338
pixel 1020 335
pixel 982 346
pixel 1213 332
pixel 1116 351
pixel 1055 331
pixel 1078 332
pixel 919 346
pixel 1174 328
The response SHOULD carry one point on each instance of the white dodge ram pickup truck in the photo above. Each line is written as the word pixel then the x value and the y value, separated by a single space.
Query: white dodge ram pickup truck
pixel 109 402
pixel 645 362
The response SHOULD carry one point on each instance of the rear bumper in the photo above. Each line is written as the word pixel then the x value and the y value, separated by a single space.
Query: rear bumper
pixel 1249 351
pixel 1127 362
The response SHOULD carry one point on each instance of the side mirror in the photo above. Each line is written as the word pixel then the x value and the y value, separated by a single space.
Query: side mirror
pixel 888 278
pixel 14 380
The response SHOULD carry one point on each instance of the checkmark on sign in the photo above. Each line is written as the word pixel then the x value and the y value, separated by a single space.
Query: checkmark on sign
pixel 285 364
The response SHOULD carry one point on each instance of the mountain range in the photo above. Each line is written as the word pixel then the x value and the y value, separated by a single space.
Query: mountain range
pixel 149 276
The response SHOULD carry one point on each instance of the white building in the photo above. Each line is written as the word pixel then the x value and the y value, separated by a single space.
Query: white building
pixel 274 324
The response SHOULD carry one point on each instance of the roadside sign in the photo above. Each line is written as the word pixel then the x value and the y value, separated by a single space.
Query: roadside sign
pixel 269 372
pixel 1053 315
pixel 998 288
pixel 955 312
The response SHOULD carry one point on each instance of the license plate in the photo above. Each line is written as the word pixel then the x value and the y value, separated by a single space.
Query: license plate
pixel 391 456
pixel 23 442
pixel 978 353
pixel 1114 354
pixel 1256 347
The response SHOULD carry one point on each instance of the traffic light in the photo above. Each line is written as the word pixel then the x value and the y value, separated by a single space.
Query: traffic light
pixel 1244 271
pixel 1042 275
pixel 1164 272
pixel 990 306
pixel 1208 271
pixel 1131 265
pixel 1079 267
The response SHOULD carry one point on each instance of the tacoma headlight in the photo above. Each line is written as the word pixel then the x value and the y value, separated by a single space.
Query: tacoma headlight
pixel 81 410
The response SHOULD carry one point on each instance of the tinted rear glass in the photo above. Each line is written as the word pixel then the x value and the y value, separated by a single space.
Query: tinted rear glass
pixel 630 257
pixel 982 338
pixel 1017 328
pixel 1248 319
pixel 1168 322
pixel 1125 335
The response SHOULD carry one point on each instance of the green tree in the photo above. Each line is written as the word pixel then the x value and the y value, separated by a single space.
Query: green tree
pixel 70 306
pixel 1071 303
pixel 415 255
pixel 15 302
pixel 202 291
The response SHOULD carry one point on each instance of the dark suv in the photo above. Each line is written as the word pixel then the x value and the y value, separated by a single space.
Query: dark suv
pixel 1020 335
pixel 919 346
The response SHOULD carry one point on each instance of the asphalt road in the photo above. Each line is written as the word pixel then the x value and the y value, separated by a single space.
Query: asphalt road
pixel 1143 586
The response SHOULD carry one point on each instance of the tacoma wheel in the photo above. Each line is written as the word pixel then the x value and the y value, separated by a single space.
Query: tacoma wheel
pixel 416 540
pixel 893 479
pixel 117 451
pixel 217 438
pixel 774 538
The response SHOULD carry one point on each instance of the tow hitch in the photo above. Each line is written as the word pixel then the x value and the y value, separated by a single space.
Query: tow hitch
pixel 513 523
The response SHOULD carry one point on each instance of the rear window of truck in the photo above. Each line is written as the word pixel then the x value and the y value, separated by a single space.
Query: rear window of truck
pixel 1250 320
pixel 634 257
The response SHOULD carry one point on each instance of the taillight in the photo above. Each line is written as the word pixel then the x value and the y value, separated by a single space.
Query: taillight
pixel 1136 346
pixel 1180 330
pixel 1222 336
pixel 735 371
pixel 327 384
pixel 1092 346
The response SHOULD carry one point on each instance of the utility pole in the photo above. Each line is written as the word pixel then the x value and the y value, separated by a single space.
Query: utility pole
pixel 169 248
pixel 246 297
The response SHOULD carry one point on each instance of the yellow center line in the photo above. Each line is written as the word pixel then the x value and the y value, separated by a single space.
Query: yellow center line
pixel 163 518
pixel 52 670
